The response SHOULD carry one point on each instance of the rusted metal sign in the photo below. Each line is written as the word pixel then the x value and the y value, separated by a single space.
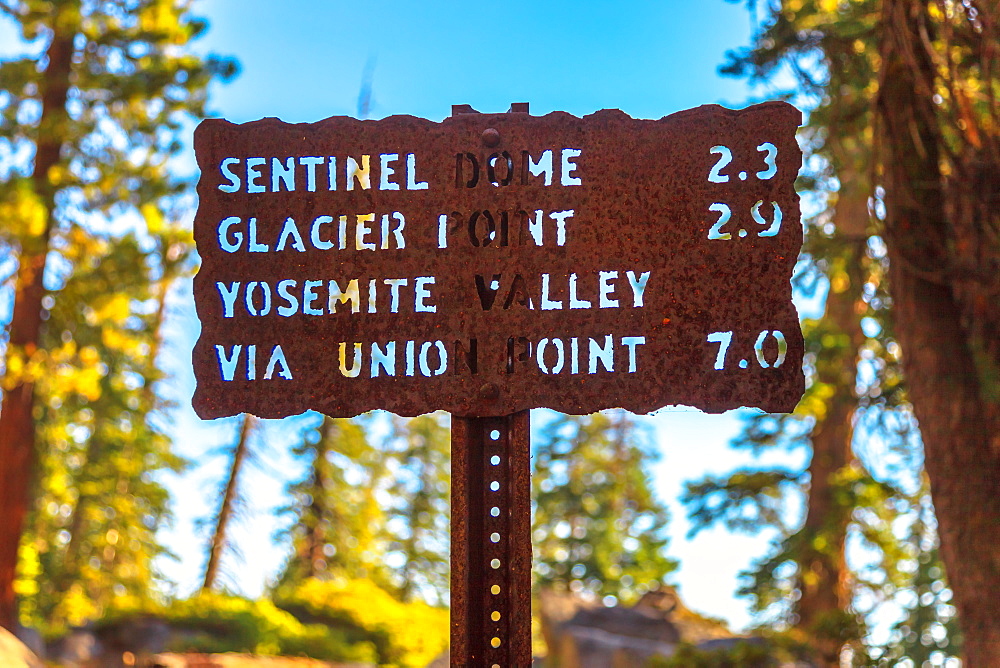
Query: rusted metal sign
pixel 496 262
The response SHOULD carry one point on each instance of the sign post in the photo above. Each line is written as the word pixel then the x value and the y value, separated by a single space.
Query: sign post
pixel 490 264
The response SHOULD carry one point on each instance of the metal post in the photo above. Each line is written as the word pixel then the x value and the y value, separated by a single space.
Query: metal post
pixel 490 541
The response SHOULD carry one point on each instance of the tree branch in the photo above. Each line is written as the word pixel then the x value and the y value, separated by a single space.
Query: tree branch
pixel 6 8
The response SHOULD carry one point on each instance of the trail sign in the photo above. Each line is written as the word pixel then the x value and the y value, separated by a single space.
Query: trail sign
pixel 490 264
pixel 493 263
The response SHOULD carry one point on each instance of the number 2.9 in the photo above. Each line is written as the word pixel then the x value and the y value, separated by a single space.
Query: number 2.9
pixel 772 228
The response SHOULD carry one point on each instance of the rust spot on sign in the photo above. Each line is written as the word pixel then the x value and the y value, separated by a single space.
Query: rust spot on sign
pixel 496 262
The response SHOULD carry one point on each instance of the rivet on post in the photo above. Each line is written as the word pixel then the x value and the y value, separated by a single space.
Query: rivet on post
pixel 491 137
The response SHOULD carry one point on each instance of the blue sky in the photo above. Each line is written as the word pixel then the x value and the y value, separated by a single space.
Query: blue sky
pixel 304 60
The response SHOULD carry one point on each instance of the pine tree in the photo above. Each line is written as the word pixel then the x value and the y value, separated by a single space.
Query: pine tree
pixel 419 515
pixel 91 124
pixel 598 528
pixel 229 500
pixel 90 534
pixel 339 523
pixel 905 117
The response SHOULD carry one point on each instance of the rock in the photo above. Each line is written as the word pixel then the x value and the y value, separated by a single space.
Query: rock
pixel 583 633
pixel 14 654
pixel 76 649
pixel 33 640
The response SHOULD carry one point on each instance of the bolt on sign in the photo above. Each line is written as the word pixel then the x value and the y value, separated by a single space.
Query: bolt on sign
pixel 492 263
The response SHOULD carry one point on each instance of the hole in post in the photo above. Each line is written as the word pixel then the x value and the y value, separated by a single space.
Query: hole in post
pixel 495 537
pixel 495 616
pixel 494 511
pixel 495 486
pixel 495 460
pixel 495 434
pixel 495 641
pixel 495 589
pixel 495 564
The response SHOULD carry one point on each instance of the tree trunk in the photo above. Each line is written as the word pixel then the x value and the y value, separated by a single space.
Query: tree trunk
pixel 825 591
pixel 218 543
pixel 958 422
pixel 316 534
pixel 17 426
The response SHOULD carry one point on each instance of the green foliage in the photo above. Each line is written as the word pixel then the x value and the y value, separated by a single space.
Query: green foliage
pixel 598 527
pixel 408 635
pixel 928 630
pixel 85 187
pixel 421 507
pixel 217 623
pixel 824 55
pixel 741 655
pixel 375 509
pixel 101 436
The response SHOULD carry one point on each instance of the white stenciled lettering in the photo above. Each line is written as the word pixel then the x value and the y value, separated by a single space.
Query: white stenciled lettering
pixel 227 364
pixel 393 231
pixel 560 218
pixel 607 288
pixel 278 363
pixel 442 355
pixel 411 358
pixel 411 174
pixel 385 359
pixel 265 290
pixel 421 293
pixel 568 167
pixel 292 302
pixel 290 230
pixel 574 355
pixel 286 173
pixel 394 285
pixel 385 171
pixel 362 231
pixel 359 173
pixel 234 181
pixel 574 301
pixel 253 173
pixel 309 296
pixel 631 342
pixel 560 359
pixel 605 354
pixel 547 303
pixel 505 291
pixel 322 296
pixel 355 369
pixel 256 247
pixel 543 166
pixel 228 297
pixel 282 172
pixel 230 246
pixel 352 294
pixel 391 234
pixel 443 230
pixel 320 244
pixel 638 285
pixel 310 162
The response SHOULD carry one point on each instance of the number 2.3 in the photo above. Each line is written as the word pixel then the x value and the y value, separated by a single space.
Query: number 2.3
pixel 769 150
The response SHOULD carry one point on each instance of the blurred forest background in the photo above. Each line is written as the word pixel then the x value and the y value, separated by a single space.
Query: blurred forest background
pixel 892 560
